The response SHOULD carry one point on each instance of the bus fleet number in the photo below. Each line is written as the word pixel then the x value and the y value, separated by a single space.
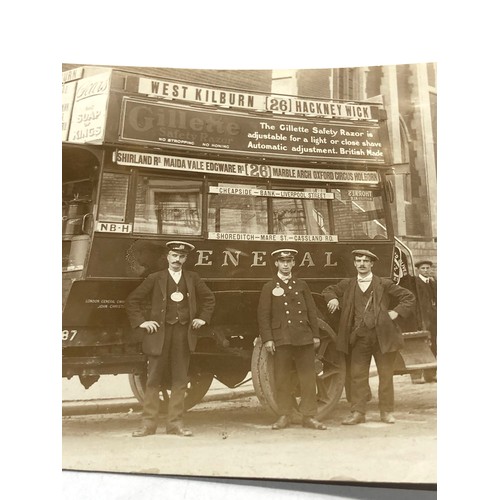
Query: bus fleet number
pixel 69 334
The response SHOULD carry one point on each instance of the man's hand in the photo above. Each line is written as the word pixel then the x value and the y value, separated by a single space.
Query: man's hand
pixel 150 326
pixel 197 323
pixel 333 305
pixel 393 314
pixel 317 343
pixel 269 346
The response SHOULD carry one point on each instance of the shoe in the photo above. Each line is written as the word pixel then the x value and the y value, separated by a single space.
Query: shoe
pixel 356 417
pixel 387 417
pixel 179 431
pixel 281 423
pixel 144 431
pixel 312 423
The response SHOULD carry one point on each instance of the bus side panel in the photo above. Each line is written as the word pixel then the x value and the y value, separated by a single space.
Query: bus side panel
pixel 95 314
pixel 232 260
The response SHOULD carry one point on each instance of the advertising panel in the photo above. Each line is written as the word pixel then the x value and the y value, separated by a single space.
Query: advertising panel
pixel 88 118
pixel 144 122
pixel 68 97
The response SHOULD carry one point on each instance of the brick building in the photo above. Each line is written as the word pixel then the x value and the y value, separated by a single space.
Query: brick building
pixel 408 92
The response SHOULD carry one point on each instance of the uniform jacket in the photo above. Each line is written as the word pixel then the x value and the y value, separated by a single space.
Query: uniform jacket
pixel 153 292
pixel 426 308
pixel 290 316
pixel 386 296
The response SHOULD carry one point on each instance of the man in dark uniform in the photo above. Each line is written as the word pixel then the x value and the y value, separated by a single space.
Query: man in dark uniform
pixel 369 305
pixel 180 303
pixel 426 287
pixel 289 330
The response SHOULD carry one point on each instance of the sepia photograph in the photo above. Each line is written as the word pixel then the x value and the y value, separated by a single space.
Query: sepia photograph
pixel 249 272
pixel 250 211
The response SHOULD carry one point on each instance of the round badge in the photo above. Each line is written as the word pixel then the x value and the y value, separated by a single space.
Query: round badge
pixel 177 296
pixel 278 291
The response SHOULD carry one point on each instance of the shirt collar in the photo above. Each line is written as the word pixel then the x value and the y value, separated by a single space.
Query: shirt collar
pixel 366 278
pixel 423 278
pixel 284 278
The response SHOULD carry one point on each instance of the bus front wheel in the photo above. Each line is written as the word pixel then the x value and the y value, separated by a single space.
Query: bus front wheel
pixel 330 375
pixel 198 386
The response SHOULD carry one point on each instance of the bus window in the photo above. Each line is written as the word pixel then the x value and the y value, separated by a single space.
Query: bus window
pixel 113 199
pixel 236 212
pixel 359 214
pixel 167 206
pixel 299 216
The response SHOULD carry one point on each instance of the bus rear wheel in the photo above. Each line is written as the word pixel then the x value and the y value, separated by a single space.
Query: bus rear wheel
pixel 198 386
pixel 330 376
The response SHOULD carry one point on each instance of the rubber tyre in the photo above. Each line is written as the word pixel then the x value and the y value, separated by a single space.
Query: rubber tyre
pixel 198 386
pixel 429 375
pixel 329 382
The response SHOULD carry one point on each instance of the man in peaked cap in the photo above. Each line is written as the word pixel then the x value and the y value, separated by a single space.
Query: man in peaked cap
pixel 367 329
pixel 426 288
pixel 365 253
pixel 288 326
pixel 180 303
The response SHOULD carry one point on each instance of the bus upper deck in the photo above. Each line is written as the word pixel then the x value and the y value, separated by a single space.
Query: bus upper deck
pixel 153 159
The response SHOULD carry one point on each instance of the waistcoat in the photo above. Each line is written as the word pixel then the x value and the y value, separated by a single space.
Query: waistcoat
pixel 177 311
pixel 361 312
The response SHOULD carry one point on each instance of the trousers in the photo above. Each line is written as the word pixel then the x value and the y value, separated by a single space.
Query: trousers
pixel 169 369
pixel 364 348
pixel 286 358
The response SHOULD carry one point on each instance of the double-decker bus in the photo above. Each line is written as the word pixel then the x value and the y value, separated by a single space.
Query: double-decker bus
pixel 237 174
